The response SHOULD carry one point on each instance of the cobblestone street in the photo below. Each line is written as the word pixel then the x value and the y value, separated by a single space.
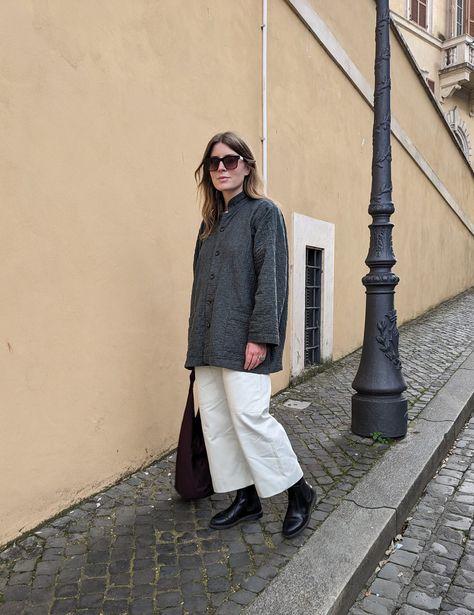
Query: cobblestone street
pixel 431 569
pixel 137 548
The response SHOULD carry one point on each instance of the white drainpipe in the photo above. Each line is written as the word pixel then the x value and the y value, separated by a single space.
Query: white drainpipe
pixel 264 94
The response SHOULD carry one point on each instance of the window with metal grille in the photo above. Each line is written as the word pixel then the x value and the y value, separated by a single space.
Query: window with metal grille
pixel 419 12
pixel 312 341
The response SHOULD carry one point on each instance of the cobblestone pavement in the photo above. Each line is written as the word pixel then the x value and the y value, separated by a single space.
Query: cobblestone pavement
pixel 431 566
pixel 137 548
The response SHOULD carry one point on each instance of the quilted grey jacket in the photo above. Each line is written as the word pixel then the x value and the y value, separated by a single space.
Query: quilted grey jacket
pixel 240 287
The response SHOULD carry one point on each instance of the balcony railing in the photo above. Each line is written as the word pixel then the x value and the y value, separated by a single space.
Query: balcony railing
pixel 459 50
pixel 457 65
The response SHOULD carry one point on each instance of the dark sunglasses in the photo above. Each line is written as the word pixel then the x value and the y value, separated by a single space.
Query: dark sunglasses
pixel 230 162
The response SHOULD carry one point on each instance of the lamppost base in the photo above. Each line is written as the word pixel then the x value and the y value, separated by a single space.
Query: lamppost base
pixel 384 414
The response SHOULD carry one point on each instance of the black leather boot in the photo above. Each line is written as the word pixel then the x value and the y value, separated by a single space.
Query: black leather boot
pixel 245 507
pixel 301 499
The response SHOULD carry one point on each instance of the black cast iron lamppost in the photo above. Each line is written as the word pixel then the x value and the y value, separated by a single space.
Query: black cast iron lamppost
pixel 380 406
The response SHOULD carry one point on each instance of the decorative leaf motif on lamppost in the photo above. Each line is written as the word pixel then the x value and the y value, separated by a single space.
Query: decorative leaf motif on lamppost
pixel 388 338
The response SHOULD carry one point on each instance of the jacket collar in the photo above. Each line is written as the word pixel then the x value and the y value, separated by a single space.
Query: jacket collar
pixel 235 200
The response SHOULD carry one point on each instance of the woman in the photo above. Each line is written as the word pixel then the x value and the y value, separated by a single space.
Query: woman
pixel 237 329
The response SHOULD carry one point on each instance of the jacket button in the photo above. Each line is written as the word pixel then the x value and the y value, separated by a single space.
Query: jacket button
pixel 221 229
pixel 209 300
pixel 208 324
pixel 212 276
pixel 217 252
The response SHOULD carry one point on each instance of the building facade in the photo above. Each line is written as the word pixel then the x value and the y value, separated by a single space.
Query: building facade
pixel 440 34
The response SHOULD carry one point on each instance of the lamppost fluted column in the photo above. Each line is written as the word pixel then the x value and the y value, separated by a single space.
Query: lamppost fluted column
pixel 379 404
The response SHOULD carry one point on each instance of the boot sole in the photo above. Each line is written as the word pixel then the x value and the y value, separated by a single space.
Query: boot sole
pixel 299 530
pixel 251 517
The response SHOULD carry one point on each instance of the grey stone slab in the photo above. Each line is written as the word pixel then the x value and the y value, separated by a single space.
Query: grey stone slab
pixel 377 605
pixel 386 589
pixel 403 558
pixel 462 597
pixel 410 610
pixel 358 536
pixel 469 362
pixel 446 549
pixel 448 480
pixel 457 522
pixel 467 488
pixel 424 601
pixel 394 572
pixel 410 544
pixel 465 578
pixel 435 584
pixel 421 533
pixel 393 483
pixel 440 565
pixel 467 563
pixel 457 393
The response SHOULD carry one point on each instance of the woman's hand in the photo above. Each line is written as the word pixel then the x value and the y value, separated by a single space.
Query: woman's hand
pixel 254 355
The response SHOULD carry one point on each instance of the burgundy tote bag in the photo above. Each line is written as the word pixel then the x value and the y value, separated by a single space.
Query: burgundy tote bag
pixel 192 475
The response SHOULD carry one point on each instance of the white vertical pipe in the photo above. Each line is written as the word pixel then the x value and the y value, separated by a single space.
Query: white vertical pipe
pixel 264 94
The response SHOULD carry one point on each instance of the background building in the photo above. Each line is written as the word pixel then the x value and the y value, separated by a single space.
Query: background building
pixel 105 109
pixel 440 34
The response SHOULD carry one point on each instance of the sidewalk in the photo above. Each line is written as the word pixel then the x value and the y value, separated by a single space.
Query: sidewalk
pixel 136 548
pixel 431 566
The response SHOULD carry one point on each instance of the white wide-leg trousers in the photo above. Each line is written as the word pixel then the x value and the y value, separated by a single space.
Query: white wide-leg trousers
pixel 245 444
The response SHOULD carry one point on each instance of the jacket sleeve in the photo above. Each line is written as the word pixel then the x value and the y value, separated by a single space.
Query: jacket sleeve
pixel 270 253
pixel 197 247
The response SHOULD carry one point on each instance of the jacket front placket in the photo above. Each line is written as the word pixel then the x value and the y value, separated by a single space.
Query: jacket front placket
pixel 216 258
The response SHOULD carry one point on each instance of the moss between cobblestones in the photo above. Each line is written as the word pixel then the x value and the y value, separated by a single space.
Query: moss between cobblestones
pixel 268 540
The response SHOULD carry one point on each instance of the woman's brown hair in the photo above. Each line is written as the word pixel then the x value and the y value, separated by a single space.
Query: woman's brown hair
pixel 212 199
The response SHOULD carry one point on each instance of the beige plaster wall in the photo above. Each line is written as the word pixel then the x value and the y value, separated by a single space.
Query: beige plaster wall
pixel 398 6
pixel 440 18
pixel 105 110
pixel 434 250
pixel 427 53
pixel 320 159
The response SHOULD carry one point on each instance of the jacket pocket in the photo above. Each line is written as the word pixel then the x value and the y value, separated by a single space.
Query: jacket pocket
pixel 236 331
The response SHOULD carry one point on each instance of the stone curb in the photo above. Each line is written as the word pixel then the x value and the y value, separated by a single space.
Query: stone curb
pixel 329 571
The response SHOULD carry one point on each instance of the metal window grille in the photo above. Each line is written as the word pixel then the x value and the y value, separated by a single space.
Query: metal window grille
pixel 312 345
